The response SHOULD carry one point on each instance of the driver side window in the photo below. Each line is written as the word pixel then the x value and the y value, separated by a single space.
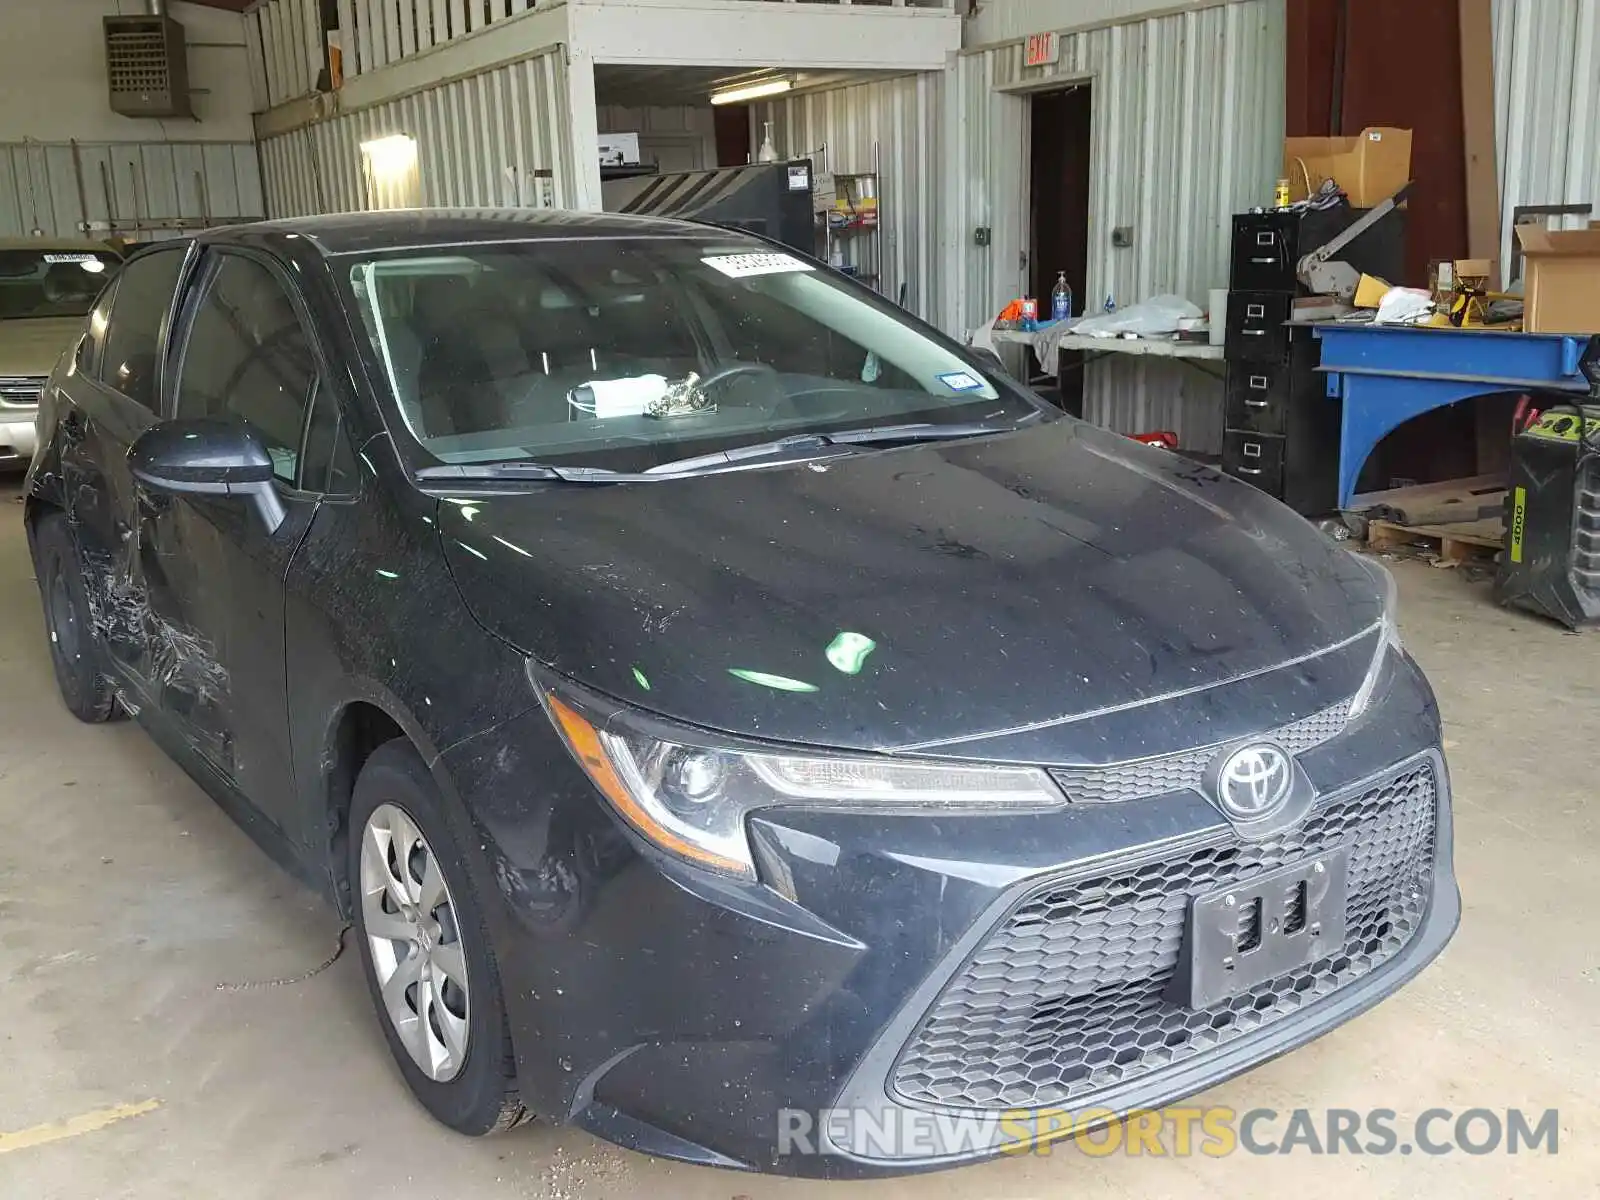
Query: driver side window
pixel 249 358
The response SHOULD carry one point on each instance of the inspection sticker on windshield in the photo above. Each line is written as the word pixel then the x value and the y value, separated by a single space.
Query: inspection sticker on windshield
pixel 960 381
pixel 740 266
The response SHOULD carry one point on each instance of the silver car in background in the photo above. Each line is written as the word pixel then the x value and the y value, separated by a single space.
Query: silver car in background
pixel 47 287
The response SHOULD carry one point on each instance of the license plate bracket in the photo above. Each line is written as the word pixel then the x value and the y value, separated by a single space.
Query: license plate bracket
pixel 1262 927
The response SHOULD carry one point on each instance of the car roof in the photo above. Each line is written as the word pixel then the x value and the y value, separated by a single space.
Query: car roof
pixel 367 232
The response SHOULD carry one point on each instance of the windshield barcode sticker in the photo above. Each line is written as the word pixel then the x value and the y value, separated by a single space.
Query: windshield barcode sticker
pixel 71 258
pixel 960 381
pixel 740 266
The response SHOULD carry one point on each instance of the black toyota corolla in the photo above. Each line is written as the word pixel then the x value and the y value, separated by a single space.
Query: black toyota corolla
pixel 733 717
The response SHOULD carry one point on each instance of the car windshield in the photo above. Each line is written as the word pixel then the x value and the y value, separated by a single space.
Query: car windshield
pixel 628 354
pixel 51 283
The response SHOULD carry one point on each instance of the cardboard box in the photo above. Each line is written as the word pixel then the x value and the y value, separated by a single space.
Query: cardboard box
pixel 1370 168
pixel 1561 279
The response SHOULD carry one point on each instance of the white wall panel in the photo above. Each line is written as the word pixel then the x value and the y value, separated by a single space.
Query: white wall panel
pixel 1006 20
pixel 134 189
pixel 500 137
pixel 53 74
pixel 900 118
pixel 375 33
pixel 1547 103
pixel 1187 129
pixel 287 35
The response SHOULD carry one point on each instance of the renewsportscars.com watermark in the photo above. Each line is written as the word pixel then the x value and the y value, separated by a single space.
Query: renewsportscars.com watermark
pixel 1178 1132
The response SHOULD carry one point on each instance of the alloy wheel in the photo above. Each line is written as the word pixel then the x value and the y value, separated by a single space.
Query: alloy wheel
pixel 410 924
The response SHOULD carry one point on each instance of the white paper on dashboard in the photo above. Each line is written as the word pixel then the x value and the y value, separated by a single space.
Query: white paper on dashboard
pixel 630 397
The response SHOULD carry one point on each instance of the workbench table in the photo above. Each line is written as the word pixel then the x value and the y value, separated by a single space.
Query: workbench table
pixel 1387 374
pixel 1045 341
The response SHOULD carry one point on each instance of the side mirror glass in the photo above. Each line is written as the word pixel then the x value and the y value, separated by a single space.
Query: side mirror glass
pixel 207 457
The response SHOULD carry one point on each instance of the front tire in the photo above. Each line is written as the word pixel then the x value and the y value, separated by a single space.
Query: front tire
pixel 425 949
pixel 75 650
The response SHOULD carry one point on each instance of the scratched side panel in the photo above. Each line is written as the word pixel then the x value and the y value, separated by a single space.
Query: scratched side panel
pixel 372 615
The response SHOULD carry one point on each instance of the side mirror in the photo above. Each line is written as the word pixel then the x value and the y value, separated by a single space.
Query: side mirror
pixel 207 457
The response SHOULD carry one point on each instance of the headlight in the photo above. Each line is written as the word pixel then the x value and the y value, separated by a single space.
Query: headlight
pixel 689 795
pixel 1388 634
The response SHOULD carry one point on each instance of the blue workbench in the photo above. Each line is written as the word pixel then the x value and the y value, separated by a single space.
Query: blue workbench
pixel 1387 374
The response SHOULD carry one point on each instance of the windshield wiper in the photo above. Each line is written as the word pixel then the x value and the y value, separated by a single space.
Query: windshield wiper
pixel 925 431
pixel 799 445
pixel 804 445
pixel 530 470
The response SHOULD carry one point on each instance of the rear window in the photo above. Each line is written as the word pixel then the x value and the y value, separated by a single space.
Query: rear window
pixel 51 283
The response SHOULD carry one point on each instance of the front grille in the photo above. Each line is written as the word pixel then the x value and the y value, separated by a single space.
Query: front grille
pixel 1185 771
pixel 20 391
pixel 1068 999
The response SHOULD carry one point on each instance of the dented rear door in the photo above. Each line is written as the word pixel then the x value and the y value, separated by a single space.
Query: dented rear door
pixel 110 397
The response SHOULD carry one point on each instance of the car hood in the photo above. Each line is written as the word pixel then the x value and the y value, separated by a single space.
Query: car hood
pixel 1021 582
pixel 31 346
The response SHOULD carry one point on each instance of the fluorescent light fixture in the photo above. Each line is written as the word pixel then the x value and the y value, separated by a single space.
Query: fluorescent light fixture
pixel 772 87
pixel 390 157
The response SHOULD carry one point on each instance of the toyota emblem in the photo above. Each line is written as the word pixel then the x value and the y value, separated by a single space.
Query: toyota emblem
pixel 1254 781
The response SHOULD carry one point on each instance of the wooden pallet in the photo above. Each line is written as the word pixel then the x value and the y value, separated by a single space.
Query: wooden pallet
pixel 1461 541
pixel 1454 501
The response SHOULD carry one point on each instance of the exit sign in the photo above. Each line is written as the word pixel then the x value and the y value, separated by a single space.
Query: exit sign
pixel 1043 49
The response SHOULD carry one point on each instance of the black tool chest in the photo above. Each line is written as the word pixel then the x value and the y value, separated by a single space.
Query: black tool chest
pixel 1280 428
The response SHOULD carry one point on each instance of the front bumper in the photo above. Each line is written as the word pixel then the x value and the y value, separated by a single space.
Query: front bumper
pixel 692 1017
pixel 18 438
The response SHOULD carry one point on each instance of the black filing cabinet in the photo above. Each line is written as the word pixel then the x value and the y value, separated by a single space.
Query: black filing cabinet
pixel 1268 246
pixel 1280 427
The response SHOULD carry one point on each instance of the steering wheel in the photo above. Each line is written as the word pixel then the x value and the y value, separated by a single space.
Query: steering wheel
pixel 742 368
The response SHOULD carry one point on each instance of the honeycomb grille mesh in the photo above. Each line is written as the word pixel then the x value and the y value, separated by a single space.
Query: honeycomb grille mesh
pixel 1067 998
pixel 1185 771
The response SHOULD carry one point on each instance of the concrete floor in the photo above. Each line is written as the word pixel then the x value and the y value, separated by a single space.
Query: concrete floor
pixel 127 898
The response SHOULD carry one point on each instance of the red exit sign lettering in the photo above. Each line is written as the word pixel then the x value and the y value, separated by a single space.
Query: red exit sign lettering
pixel 1043 49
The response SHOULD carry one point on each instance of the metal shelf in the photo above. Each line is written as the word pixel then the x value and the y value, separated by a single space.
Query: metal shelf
pixel 865 239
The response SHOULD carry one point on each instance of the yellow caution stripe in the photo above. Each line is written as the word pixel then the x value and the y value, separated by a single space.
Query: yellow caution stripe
pixel 71 1127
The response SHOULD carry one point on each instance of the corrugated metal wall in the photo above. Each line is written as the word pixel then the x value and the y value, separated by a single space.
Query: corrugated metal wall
pixel 1003 20
pixel 501 137
pixel 372 34
pixel 1547 103
pixel 891 126
pixel 143 190
pixel 1187 131
pixel 288 36
pixel 376 33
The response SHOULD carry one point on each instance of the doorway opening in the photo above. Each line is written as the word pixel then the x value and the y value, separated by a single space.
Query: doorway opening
pixel 1058 212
